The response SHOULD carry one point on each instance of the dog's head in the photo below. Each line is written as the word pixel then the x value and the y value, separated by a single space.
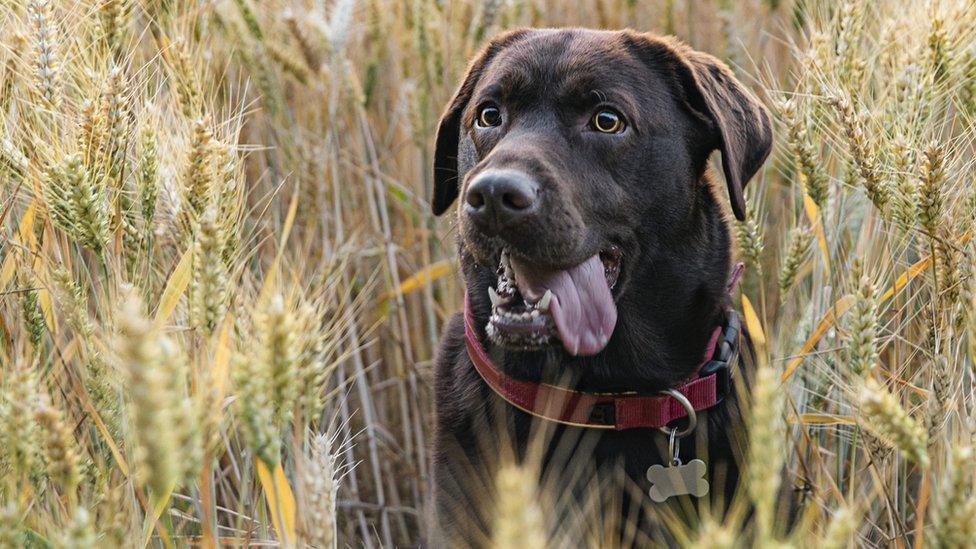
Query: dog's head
pixel 589 150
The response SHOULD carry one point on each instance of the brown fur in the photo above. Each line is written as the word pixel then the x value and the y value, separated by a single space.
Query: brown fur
pixel 646 190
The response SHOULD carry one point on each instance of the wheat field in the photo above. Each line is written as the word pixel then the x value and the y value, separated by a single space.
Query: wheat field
pixel 223 286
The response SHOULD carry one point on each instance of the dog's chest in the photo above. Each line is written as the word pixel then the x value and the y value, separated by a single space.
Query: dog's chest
pixel 579 456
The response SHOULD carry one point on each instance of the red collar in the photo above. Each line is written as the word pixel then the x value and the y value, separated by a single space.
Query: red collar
pixel 614 410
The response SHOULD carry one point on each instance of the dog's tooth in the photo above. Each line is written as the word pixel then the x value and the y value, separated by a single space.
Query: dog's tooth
pixel 495 298
pixel 507 265
pixel 543 303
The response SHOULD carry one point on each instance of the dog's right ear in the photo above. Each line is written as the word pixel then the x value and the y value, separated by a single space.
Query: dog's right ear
pixel 446 181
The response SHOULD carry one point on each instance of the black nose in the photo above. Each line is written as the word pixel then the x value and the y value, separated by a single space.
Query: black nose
pixel 499 198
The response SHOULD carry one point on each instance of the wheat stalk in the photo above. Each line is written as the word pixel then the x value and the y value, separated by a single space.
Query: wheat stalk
pixel 60 451
pixel 518 521
pixel 955 509
pixel 149 363
pixel 319 483
pixel 208 285
pixel 19 431
pixel 77 203
pixel 842 526
pixel 797 246
pixel 47 70
pixel 802 147
pixel 886 418
pixel 764 423
pixel 863 152
pixel 861 347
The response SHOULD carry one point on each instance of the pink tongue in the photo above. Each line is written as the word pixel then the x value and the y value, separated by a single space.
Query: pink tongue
pixel 582 306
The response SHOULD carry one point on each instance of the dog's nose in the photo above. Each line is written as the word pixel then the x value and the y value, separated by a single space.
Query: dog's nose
pixel 500 198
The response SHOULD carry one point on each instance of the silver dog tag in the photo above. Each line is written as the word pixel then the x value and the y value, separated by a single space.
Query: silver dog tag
pixel 677 480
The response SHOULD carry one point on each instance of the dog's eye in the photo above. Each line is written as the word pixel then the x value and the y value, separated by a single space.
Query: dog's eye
pixel 489 116
pixel 607 121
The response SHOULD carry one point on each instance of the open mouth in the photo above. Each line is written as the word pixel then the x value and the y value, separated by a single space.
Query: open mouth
pixel 532 307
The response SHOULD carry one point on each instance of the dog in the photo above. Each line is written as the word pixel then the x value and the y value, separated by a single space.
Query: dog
pixel 595 253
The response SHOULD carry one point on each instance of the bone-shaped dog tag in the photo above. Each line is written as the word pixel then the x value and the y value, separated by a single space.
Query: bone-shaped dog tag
pixel 677 480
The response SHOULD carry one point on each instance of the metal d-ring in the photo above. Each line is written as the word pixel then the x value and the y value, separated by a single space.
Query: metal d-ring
pixel 692 418
pixel 674 448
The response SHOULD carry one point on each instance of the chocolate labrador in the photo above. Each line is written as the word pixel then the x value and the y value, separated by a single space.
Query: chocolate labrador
pixel 596 257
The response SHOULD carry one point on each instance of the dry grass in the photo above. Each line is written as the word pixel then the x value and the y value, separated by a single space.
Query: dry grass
pixel 223 285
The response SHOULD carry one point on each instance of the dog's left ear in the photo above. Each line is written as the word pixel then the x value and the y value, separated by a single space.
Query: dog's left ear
pixel 742 125
pixel 449 130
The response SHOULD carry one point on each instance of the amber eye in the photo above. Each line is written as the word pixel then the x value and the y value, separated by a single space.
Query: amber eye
pixel 607 121
pixel 489 116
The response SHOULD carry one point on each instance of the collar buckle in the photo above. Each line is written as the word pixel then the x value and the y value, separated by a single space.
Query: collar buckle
pixel 604 413
pixel 726 354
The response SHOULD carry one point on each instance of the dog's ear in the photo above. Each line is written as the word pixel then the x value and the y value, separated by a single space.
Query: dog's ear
pixel 449 130
pixel 741 125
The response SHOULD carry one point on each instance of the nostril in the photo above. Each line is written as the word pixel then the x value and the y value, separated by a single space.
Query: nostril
pixel 475 199
pixel 517 200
